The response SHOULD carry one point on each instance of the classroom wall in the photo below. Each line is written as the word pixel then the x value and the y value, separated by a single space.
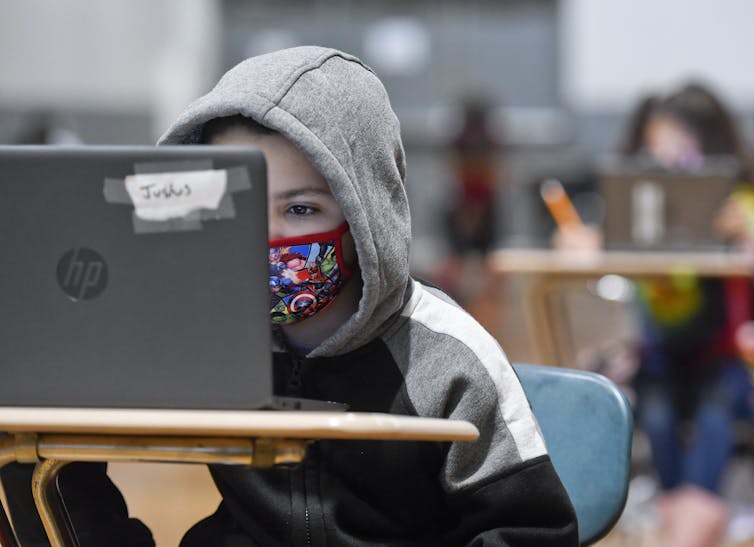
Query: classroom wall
pixel 614 51
pixel 115 71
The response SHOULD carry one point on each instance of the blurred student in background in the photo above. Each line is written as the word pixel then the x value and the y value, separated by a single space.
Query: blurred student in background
pixel 471 219
pixel 692 382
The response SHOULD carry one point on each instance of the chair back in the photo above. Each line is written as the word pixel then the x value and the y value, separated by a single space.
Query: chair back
pixel 587 425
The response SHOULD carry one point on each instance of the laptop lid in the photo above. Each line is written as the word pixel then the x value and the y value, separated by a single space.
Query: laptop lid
pixel 134 277
pixel 651 208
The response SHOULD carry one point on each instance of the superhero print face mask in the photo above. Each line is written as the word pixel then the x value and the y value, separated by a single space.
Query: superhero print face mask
pixel 306 274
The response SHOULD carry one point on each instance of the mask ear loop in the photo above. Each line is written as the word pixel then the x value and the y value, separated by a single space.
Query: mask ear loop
pixel 341 231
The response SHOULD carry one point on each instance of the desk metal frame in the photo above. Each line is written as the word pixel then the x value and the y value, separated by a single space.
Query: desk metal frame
pixel 52 452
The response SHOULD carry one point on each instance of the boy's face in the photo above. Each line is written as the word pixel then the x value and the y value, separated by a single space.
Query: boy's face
pixel 299 198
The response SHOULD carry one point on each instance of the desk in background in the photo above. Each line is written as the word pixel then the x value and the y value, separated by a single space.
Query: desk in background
pixel 552 270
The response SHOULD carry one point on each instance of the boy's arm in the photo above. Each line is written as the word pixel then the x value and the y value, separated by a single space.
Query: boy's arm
pixel 526 506
pixel 502 488
pixel 96 507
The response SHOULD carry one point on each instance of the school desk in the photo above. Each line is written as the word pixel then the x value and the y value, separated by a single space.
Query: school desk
pixel 552 270
pixel 54 437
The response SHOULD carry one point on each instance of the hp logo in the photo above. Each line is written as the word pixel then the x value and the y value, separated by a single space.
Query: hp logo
pixel 82 274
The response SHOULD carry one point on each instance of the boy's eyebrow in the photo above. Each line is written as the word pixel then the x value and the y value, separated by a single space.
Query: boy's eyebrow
pixel 298 192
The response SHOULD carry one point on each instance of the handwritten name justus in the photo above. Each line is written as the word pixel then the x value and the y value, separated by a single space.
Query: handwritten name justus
pixel 164 191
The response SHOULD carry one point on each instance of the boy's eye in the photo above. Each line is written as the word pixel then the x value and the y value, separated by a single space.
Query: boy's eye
pixel 300 210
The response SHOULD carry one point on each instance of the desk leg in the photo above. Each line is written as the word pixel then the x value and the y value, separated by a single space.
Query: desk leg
pixel 59 450
pixel 7 455
pixel 546 317
pixel 537 313
pixel 50 506
pixel 7 539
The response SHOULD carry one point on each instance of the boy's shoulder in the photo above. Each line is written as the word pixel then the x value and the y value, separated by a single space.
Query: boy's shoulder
pixel 434 330
pixel 429 305
pixel 454 368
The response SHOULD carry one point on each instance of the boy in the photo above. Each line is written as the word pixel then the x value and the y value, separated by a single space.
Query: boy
pixel 370 337
pixel 383 343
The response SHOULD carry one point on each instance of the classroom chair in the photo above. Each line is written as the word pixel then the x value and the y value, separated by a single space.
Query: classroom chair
pixel 587 425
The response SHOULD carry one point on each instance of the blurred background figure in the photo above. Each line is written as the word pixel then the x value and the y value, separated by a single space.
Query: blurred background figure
pixel 692 382
pixel 471 220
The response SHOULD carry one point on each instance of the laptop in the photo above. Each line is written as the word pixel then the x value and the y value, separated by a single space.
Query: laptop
pixel 135 277
pixel 649 208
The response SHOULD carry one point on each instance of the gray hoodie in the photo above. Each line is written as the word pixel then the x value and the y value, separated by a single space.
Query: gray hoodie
pixel 352 137
pixel 407 350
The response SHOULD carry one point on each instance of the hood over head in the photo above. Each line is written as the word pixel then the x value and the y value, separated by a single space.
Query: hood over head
pixel 337 112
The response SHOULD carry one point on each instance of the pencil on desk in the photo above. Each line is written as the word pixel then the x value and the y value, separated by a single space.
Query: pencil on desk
pixel 559 204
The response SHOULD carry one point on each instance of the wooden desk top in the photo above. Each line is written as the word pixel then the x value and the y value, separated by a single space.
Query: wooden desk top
pixel 629 263
pixel 226 423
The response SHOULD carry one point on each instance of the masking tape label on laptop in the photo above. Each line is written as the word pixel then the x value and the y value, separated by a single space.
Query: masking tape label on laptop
pixel 177 196
pixel 163 196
